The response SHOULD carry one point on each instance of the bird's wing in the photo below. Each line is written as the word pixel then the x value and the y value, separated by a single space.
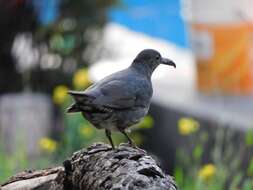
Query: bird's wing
pixel 116 94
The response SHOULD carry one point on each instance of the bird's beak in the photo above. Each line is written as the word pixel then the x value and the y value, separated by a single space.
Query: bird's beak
pixel 166 61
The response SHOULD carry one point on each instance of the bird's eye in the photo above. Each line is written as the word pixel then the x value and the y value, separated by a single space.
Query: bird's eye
pixel 157 57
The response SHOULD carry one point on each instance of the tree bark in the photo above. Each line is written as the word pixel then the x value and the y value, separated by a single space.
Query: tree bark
pixel 97 168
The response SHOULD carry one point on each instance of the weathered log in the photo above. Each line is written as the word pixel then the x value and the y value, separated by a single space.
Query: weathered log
pixel 98 167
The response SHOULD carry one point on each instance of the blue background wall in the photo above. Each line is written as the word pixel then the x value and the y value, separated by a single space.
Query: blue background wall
pixel 158 18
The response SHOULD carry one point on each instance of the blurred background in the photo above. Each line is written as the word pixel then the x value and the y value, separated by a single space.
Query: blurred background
pixel 200 126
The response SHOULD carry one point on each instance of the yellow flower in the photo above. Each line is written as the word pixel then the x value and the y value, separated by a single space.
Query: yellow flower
pixel 187 126
pixel 81 79
pixel 207 172
pixel 47 144
pixel 87 131
pixel 60 94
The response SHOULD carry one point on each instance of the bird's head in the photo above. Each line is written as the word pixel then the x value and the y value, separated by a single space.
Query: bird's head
pixel 147 61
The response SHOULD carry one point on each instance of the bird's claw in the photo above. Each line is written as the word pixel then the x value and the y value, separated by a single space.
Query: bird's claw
pixel 133 145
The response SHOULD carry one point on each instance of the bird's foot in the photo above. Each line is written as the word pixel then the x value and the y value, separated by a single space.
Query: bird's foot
pixel 130 143
pixel 113 147
pixel 133 145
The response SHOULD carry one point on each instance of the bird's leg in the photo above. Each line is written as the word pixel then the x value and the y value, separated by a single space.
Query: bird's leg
pixel 131 142
pixel 128 138
pixel 108 134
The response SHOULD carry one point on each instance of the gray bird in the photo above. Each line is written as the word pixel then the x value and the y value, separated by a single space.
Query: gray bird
pixel 121 99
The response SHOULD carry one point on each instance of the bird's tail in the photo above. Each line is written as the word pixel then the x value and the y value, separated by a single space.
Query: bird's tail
pixel 79 96
pixel 82 102
pixel 73 108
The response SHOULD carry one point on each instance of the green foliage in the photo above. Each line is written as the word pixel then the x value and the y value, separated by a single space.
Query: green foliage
pixel 18 161
pixel 197 152
pixel 250 168
pixel 247 185
pixel 11 163
pixel 78 133
pixel 226 159
pixel 249 138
